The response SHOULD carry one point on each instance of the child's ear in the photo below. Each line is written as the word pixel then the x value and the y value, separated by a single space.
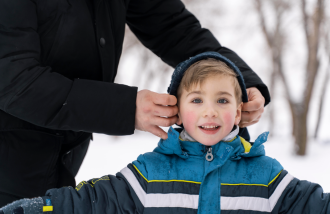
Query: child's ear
pixel 179 121
pixel 238 113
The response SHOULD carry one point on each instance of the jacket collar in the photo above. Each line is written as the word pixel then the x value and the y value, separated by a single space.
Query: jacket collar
pixel 185 149
pixel 184 136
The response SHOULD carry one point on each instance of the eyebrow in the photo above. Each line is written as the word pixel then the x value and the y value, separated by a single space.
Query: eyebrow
pixel 194 92
pixel 219 93
pixel 224 93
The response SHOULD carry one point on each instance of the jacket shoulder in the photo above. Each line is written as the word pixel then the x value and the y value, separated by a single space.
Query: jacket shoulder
pixel 267 168
pixel 148 162
pixel 156 167
pixel 277 168
pixel 260 171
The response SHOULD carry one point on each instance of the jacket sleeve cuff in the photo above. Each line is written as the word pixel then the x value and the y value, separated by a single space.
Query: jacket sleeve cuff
pixel 101 107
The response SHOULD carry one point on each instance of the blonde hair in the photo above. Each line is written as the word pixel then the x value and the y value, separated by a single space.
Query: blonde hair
pixel 201 70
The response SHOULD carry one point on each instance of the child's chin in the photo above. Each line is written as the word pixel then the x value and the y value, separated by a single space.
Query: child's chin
pixel 209 143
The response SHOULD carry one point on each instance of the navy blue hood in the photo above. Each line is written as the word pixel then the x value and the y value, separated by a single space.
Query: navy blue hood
pixel 183 66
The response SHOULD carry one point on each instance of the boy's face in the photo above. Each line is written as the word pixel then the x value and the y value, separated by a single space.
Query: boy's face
pixel 209 112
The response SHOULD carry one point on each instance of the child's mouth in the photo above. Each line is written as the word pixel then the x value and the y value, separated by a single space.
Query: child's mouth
pixel 209 129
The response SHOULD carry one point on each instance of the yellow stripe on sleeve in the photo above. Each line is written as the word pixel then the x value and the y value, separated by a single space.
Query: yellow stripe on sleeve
pixel 140 173
pixel 226 184
pixel 194 182
pixel 47 208
pixel 275 177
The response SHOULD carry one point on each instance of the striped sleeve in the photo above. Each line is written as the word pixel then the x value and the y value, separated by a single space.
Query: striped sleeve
pixel 254 199
pixel 299 196
pixel 164 196
pixel 107 195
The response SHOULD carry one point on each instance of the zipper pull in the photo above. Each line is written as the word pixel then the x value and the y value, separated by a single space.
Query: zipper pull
pixel 209 156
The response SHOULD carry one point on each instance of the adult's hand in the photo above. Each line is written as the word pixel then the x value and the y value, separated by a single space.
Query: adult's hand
pixel 154 110
pixel 253 109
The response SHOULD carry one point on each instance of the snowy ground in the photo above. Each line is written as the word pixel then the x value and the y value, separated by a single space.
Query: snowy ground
pixel 108 155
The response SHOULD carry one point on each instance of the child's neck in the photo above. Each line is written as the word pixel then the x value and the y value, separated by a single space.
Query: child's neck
pixel 186 137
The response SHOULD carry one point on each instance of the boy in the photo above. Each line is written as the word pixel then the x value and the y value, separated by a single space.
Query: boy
pixel 204 168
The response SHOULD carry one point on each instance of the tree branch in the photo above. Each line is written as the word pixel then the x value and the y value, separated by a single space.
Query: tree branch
pixel 269 39
pixel 326 37
pixel 305 21
pixel 313 61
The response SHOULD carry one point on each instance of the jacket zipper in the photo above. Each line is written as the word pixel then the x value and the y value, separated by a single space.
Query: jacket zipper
pixel 209 155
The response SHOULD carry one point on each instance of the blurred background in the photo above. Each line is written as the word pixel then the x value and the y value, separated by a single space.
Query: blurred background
pixel 287 43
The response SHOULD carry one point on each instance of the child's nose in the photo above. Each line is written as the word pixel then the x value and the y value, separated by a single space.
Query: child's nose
pixel 210 112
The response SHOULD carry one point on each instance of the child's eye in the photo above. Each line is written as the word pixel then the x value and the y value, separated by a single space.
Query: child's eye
pixel 222 101
pixel 197 100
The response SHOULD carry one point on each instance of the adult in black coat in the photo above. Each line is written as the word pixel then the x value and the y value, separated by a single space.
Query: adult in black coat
pixel 58 61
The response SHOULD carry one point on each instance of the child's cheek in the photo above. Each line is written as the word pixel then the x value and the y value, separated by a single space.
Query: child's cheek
pixel 228 118
pixel 189 120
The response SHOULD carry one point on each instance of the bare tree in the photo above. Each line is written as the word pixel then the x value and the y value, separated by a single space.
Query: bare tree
pixel 275 41
pixel 311 27
pixel 325 83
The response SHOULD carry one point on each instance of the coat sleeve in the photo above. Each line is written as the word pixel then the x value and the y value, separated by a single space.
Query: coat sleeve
pixel 108 195
pixel 290 195
pixel 32 92
pixel 174 34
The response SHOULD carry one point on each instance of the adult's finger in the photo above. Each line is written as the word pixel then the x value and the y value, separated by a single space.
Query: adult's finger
pixel 247 121
pixel 164 99
pixel 165 122
pixel 155 130
pixel 165 111
pixel 253 105
pixel 243 125
pixel 249 116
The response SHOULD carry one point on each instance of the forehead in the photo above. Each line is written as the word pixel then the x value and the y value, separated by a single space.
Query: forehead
pixel 214 83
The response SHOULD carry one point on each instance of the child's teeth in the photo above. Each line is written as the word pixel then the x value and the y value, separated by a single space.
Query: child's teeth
pixel 209 127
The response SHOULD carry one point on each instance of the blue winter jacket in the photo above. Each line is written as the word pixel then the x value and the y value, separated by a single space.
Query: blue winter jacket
pixel 188 177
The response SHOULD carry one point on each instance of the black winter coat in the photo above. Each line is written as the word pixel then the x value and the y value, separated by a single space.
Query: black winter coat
pixel 48 50
pixel 58 61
